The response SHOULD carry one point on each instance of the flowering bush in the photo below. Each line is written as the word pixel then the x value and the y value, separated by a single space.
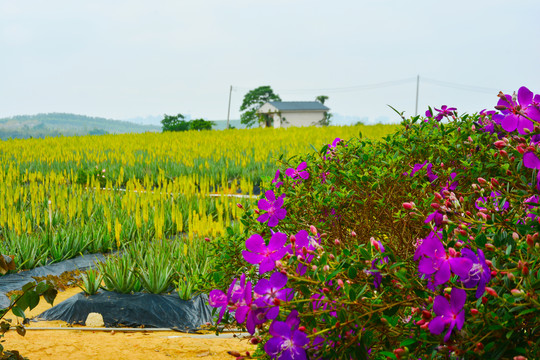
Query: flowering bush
pixel 401 248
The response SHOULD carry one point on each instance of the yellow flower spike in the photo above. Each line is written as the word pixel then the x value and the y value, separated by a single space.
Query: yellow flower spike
pixel 117 232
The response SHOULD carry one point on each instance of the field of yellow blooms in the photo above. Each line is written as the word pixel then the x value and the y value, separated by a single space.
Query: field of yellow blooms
pixel 64 196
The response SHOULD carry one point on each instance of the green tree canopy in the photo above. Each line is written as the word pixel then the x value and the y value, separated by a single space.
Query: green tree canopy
pixel 177 123
pixel 201 124
pixel 327 115
pixel 174 123
pixel 253 100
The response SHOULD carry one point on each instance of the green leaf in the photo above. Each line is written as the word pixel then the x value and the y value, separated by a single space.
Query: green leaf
pixel 407 342
pixel 42 287
pixel 17 311
pixel 33 299
pixel 50 295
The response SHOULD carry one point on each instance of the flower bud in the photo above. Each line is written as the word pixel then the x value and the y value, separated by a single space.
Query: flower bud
pixel 254 340
pixel 326 290
pixel 530 240
pixel 435 206
pixel 499 144
pixel 421 322
pixel 515 236
pixel 408 205
pixel 340 283
pixel 494 182
pixel 425 326
pixel 474 312
pixel 326 268
pixel 519 357
pixel 480 346
pixel 426 314
pixel 511 276
pixel 337 242
pixel 313 229
pixel 314 267
pixel 302 328
pixel 491 292
pixel 525 270
pixel 482 181
pixel 484 300
pixel 490 247
pixel 353 234
pixel 331 256
pixel 240 206
pixel 257 212
pixel 517 293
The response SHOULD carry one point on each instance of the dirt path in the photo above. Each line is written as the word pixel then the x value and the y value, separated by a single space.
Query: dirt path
pixel 76 344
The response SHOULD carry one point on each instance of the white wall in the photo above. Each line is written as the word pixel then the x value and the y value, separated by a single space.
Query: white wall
pixel 300 118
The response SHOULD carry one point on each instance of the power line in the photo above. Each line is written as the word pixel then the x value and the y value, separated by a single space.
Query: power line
pixel 472 88
pixel 441 83
pixel 342 89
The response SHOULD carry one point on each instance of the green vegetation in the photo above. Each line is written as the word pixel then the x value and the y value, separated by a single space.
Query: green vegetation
pixel 60 124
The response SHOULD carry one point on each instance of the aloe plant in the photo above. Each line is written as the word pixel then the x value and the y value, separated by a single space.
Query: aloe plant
pixel 119 275
pixel 91 282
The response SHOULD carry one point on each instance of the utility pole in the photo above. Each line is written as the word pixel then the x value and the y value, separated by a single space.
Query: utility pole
pixel 417 87
pixel 229 111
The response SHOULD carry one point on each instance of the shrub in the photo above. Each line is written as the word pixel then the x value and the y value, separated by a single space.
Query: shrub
pixel 400 248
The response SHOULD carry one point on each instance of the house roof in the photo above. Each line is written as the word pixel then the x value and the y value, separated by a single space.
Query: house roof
pixel 298 105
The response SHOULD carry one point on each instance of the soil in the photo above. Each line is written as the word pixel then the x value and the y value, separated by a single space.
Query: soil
pixel 75 344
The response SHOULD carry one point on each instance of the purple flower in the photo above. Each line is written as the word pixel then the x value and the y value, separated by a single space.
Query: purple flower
pixel 434 261
pixel 265 256
pixel 276 180
pixel 235 294
pixel 448 313
pixel 273 207
pixel 287 341
pixel 515 115
pixel 429 114
pixel 298 172
pixel 377 277
pixel 437 217
pixel 319 302
pixel 486 121
pixel 431 176
pixel 303 244
pixel 416 168
pixel 479 274
pixel 483 201
pixel 249 312
pixel 272 289
pixel 444 111
pixel 335 143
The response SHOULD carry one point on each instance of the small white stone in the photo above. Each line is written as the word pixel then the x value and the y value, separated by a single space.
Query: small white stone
pixel 94 320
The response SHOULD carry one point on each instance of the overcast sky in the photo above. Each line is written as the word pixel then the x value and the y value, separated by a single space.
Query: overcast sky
pixel 123 59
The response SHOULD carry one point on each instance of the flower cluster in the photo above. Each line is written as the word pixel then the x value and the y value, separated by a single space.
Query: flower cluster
pixel 474 250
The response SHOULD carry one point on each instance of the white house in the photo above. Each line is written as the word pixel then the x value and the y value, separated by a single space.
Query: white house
pixel 292 113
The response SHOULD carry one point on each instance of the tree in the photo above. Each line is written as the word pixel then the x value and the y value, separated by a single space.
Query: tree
pixel 321 98
pixel 201 124
pixel 327 116
pixel 174 123
pixel 253 100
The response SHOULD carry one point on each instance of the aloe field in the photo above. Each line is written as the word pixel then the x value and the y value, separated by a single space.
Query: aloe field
pixel 154 196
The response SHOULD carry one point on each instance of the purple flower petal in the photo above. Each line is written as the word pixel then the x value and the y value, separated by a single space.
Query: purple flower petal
pixel 510 122
pixel 436 326
pixel 255 243
pixel 263 204
pixel 525 96
pixel 531 161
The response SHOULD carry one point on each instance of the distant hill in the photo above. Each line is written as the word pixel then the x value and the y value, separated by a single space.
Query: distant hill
pixel 60 124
